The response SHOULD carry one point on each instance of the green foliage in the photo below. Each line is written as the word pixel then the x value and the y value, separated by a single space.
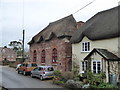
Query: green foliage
pixel 12 64
pixel 104 85
pixel 95 79
pixel 57 73
pixel 71 84
pixel 59 82
pixel 68 75
pixel 75 69
pixel 17 47
pixel 60 78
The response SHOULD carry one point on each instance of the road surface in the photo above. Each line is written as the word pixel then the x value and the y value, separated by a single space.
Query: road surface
pixel 10 79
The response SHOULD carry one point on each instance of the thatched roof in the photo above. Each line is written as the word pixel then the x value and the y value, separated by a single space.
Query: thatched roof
pixel 103 25
pixel 104 53
pixel 64 27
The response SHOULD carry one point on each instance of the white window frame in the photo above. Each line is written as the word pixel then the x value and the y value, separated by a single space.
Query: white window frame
pixel 96 66
pixel 84 65
pixel 85 47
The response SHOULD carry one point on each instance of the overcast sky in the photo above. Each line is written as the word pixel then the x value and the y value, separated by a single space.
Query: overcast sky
pixel 39 13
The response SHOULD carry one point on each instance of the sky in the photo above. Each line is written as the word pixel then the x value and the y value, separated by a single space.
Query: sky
pixel 35 15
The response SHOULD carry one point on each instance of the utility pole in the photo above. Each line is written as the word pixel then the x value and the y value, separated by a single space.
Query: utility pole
pixel 23 46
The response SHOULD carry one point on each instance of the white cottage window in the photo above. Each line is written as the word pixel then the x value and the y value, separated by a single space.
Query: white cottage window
pixel 96 66
pixel 84 66
pixel 85 46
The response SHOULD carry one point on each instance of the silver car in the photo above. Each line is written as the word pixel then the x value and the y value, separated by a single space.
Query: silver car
pixel 43 72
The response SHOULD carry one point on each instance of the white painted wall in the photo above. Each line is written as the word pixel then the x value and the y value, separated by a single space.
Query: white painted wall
pixel 109 44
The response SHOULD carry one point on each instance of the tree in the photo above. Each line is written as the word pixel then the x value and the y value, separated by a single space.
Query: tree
pixel 17 47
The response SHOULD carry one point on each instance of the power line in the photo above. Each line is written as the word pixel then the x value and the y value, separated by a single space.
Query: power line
pixel 84 6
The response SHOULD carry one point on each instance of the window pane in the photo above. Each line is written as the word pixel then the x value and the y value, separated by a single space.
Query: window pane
pixel 40 68
pixel 86 64
pixel 43 57
pixel 82 46
pixel 94 67
pixel 83 66
pixel 98 67
pixel 28 65
pixel 54 55
pixel 88 46
pixel 34 65
pixel 34 56
pixel 50 69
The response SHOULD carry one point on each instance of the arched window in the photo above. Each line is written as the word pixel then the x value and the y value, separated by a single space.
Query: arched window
pixel 54 55
pixel 34 56
pixel 43 56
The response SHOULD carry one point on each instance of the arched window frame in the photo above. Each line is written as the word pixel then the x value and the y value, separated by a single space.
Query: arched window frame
pixel 43 56
pixel 54 55
pixel 34 56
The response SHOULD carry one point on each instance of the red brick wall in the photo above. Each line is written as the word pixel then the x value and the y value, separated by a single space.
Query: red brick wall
pixel 8 54
pixel 64 51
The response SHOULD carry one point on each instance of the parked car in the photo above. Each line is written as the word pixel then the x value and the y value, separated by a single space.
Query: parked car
pixel 43 72
pixel 18 66
pixel 27 67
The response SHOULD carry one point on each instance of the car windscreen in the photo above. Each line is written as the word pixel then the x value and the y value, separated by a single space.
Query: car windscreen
pixel 34 65
pixel 50 69
pixel 31 65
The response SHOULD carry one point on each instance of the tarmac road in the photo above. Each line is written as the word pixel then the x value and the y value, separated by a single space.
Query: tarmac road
pixel 9 78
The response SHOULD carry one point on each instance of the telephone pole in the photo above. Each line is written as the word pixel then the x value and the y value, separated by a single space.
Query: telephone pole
pixel 23 45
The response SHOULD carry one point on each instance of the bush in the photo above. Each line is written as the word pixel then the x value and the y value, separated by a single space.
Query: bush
pixel 12 64
pixel 58 82
pixel 57 73
pixel 68 75
pixel 95 79
pixel 57 77
pixel 73 84
pixel 104 85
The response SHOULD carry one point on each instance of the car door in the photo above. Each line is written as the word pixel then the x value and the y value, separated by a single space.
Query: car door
pixel 34 72
pixel 39 72
pixel 21 68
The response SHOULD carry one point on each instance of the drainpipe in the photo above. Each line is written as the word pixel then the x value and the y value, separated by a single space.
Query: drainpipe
pixel 108 71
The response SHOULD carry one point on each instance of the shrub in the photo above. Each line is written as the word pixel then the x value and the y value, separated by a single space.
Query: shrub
pixel 75 68
pixel 12 64
pixel 68 75
pixel 57 73
pixel 58 82
pixel 95 79
pixel 104 85
pixel 57 76
pixel 73 84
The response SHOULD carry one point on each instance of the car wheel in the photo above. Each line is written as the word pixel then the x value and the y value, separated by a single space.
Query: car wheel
pixel 31 75
pixel 18 71
pixel 24 73
pixel 41 78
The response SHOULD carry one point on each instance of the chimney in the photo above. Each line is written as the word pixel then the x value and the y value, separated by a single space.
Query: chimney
pixel 79 24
